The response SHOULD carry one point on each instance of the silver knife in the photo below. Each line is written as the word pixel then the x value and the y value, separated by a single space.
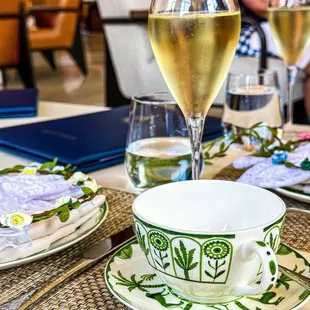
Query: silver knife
pixel 91 255
pixel 298 278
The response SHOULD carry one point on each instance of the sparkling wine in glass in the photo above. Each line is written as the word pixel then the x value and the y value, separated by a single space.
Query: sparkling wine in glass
pixel 194 42
pixel 290 24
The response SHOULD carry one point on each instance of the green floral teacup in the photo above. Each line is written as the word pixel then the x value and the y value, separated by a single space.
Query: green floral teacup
pixel 211 241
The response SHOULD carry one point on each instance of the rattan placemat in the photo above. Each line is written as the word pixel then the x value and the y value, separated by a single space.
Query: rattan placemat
pixel 297 225
pixel 88 290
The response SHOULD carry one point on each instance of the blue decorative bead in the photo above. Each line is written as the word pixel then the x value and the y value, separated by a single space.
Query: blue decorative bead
pixel 279 157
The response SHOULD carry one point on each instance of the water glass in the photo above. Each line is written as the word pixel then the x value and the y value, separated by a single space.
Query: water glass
pixel 158 148
pixel 252 97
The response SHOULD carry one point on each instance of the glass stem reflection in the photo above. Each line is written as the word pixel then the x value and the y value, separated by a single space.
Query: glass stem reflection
pixel 195 128
pixel 292 74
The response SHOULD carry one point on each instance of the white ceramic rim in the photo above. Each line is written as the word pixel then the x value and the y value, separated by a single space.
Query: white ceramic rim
pixel 293 195
pixel 195 232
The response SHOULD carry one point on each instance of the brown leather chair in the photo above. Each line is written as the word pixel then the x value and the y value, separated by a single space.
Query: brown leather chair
pixel 59 30
pixel 14 43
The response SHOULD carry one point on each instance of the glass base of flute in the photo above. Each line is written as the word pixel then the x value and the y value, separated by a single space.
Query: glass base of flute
pixel 195 128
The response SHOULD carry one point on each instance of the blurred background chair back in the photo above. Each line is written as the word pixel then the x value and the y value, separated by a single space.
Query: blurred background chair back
pixel 14 45
pixel 129 47
pixel 133 59
pixel 56 29
pixel 59 31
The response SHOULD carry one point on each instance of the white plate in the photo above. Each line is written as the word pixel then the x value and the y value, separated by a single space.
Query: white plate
pixel 133 282
pixel 65 242
pixel 293 194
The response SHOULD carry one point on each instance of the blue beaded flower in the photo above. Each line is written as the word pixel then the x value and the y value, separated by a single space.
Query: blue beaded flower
pixel 279 157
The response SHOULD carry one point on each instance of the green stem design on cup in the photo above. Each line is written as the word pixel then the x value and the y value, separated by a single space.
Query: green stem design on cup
pixel 185 259
pixel 162 258
pixel 141 240
pixel 273 241
pixel 132 283
pixel 216 268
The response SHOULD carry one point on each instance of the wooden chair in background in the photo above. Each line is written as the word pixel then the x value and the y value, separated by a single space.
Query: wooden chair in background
pixel 58 29
pixel 14 43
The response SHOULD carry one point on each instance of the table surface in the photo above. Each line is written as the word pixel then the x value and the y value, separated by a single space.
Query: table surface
pixel 113 177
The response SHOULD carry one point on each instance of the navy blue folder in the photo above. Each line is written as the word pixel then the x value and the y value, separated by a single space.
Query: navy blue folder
pixel 18 103
pixel 91 142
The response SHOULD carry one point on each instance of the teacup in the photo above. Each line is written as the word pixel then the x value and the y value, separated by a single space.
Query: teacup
pixel 211 241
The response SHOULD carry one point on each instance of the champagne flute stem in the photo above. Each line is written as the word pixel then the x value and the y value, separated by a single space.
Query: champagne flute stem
pixel 195 128
pixel 292 74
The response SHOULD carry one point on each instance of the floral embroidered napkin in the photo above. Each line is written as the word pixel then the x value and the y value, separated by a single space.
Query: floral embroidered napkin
pixel 271 172
pixel 42 200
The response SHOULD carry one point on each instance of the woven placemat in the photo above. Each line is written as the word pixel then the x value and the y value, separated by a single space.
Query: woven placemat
pixel 297 225
pixel 88 291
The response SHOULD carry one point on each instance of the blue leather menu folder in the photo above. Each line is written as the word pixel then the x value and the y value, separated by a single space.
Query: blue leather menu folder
pixel 91 142
pixel 18 103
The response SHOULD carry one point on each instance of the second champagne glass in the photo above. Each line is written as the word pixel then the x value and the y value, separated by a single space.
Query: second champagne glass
pixel 290 24
pixel 194 42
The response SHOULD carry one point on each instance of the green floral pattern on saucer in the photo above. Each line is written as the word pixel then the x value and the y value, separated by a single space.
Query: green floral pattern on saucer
pixel 131 280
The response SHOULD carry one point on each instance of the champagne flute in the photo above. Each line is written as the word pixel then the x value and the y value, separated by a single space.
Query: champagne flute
pixel 194 42
pixel 290 24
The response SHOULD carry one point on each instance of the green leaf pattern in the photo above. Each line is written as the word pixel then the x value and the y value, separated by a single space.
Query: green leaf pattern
pixel 184 259
pixel 141 240
pixel 272 237
pixel 155 290
pixel 126 253
pixel 131 283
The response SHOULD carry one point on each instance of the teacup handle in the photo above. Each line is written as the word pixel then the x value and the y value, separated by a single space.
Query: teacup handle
pixel 269 268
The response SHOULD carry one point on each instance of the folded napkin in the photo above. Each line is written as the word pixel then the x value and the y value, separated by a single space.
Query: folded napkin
pixel 33 194
pixel 18 103
pixel 265 173
pixel 44 233
pixel 37 201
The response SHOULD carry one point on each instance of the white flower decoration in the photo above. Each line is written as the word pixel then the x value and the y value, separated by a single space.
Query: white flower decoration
pixel 16 220
pixel 29 170
pixel 78 177
pixel 58 168
pixel 36 165
pixel 64 200
pixel 92 185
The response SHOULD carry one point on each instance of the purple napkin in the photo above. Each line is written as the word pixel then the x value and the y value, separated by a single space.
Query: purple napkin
pixel 264 173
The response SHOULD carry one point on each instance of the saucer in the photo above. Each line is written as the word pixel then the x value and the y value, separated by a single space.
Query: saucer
pixel 132 281
pixel 294 194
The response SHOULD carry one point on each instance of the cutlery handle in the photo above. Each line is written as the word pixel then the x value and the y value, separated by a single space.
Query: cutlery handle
pixel 40 293
pixel 298 278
